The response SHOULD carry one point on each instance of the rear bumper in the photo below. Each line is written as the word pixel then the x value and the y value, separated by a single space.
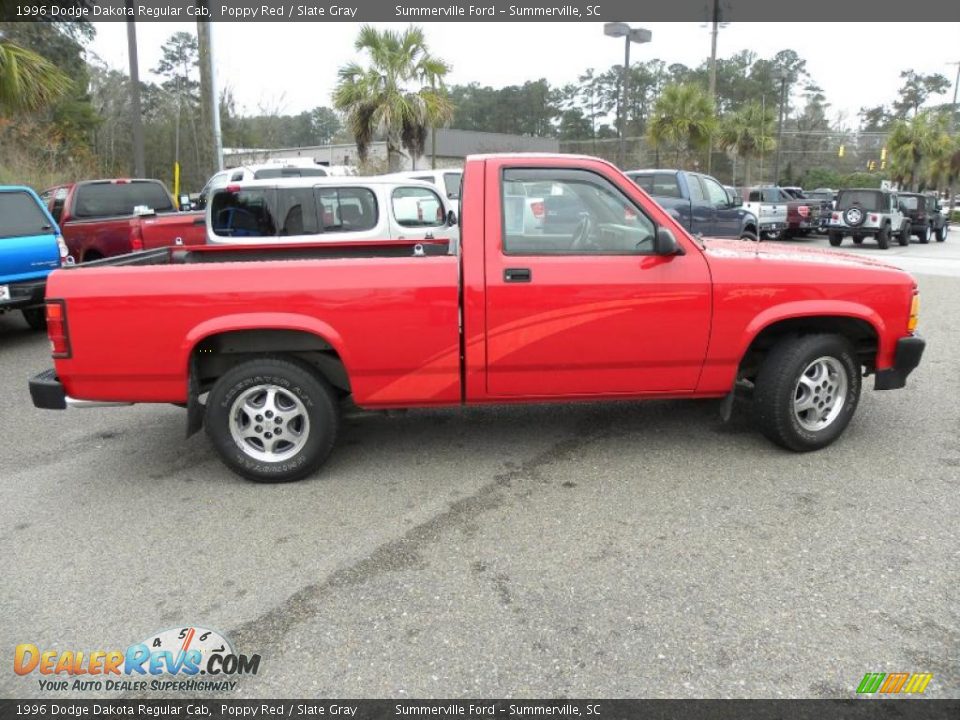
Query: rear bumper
pixel 48 393
pixel 906 358
pixel 24 294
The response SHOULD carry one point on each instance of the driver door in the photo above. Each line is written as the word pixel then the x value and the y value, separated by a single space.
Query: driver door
pixel 589 309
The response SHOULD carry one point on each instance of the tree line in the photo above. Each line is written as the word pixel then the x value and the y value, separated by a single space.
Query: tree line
pixel 69 114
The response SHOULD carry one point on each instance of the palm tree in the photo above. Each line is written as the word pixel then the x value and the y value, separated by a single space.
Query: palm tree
pixel 748 132
pixel 682 117
pixel 399 95
pixel 28 81
pixel 910 143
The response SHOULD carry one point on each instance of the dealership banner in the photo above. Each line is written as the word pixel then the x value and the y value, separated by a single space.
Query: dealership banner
pixel 485 709
pixel 476 11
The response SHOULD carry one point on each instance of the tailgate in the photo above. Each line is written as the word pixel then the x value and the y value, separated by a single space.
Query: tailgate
pixel 173 229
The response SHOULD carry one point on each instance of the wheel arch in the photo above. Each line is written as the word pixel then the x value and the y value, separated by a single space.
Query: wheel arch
pixel 862 326
pixel 213 347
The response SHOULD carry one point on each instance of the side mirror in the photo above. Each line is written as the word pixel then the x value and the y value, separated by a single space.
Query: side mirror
pixel 451 218
pixel 666 243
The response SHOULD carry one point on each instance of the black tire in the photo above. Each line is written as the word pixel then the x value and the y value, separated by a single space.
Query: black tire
pixel 778 383
pixel 773 235
pixel 747 235
pixel 903 237
pixel 835 238
pixel 924 235
pixel 297 381
pixel 942 233
pixel 883 237
pixel 36 317
pixel 858 239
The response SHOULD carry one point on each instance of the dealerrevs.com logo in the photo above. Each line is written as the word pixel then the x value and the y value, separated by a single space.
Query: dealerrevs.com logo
pixel 187 659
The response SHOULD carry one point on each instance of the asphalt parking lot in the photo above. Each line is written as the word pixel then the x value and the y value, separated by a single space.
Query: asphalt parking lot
pixel 625 550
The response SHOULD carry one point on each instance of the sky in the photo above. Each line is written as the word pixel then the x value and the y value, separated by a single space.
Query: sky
pixel 291 67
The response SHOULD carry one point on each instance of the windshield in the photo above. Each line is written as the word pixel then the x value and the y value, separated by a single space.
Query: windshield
pixel 21 217
pixel 868 199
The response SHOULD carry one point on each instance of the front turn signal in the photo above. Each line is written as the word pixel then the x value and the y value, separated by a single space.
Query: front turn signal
pixel 914 313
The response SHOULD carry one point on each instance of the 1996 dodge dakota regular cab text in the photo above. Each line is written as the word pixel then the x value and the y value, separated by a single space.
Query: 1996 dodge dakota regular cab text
pixel 624 304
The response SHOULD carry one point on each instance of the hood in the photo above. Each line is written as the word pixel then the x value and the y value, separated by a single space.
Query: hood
pixel 790 254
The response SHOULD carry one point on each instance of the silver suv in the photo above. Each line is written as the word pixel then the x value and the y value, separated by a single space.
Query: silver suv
pixel 868 212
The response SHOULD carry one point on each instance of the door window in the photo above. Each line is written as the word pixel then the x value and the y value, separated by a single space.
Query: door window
pixel 584 214
pixel 417 207
pixel 716 195
pixel 696 192
pixel 297 211
pixel 347 209
pixel 21 215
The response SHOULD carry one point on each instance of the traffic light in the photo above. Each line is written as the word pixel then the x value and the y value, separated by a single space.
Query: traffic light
pixel 840 152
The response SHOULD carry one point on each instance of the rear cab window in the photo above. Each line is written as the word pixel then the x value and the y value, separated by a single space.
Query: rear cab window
pixel 452 182
pixel 116 199
pixel 658 184
pixel 21 216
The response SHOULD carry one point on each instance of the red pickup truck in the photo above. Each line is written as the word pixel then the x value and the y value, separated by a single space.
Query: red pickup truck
pixel 103 218
pixel 260 343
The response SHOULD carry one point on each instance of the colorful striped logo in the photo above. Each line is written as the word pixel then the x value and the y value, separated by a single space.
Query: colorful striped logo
pixel 891 683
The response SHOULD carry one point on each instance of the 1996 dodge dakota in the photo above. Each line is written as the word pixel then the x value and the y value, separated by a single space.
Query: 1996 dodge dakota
pixel 613 301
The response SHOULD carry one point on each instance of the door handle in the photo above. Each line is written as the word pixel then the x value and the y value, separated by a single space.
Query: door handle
pixel 517 275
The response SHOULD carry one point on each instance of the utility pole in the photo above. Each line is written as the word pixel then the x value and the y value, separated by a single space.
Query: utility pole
pixel 715 30
pixel 956 86
pixel 139 166
pixel 783 91
pixel 208 87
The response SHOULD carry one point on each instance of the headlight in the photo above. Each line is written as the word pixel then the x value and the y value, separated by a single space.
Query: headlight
pixel 914 313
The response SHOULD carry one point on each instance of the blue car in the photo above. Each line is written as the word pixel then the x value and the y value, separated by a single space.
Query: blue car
pixel 30 248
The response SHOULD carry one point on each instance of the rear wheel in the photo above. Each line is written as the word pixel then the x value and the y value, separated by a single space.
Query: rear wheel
pixel 272 419
pixel 835 238
pixel 807 391
pixel 903 237
pixel 858 239
pixel 942 233
pixel 883 237
pixel 748 235
pixel 36 318
pixel 924 235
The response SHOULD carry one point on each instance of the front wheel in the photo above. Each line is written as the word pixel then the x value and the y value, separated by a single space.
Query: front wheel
pixel 807 391
pixel 748 235
pixel 272 419
pixel 36 318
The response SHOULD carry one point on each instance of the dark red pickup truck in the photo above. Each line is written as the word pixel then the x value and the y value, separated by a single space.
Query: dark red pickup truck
pixel 103 218
pixel 261 343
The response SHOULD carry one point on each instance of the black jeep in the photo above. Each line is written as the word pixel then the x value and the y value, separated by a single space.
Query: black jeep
pixel 925 216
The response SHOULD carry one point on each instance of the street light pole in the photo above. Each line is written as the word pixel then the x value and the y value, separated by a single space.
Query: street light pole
pixel 956 86
pixel 629 34
pixel 776 166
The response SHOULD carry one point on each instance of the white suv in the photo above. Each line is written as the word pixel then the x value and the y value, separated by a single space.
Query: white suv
pixel 318 209
pixel 447 181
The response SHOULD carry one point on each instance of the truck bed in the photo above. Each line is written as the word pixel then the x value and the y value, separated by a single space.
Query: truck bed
pixel 359 296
